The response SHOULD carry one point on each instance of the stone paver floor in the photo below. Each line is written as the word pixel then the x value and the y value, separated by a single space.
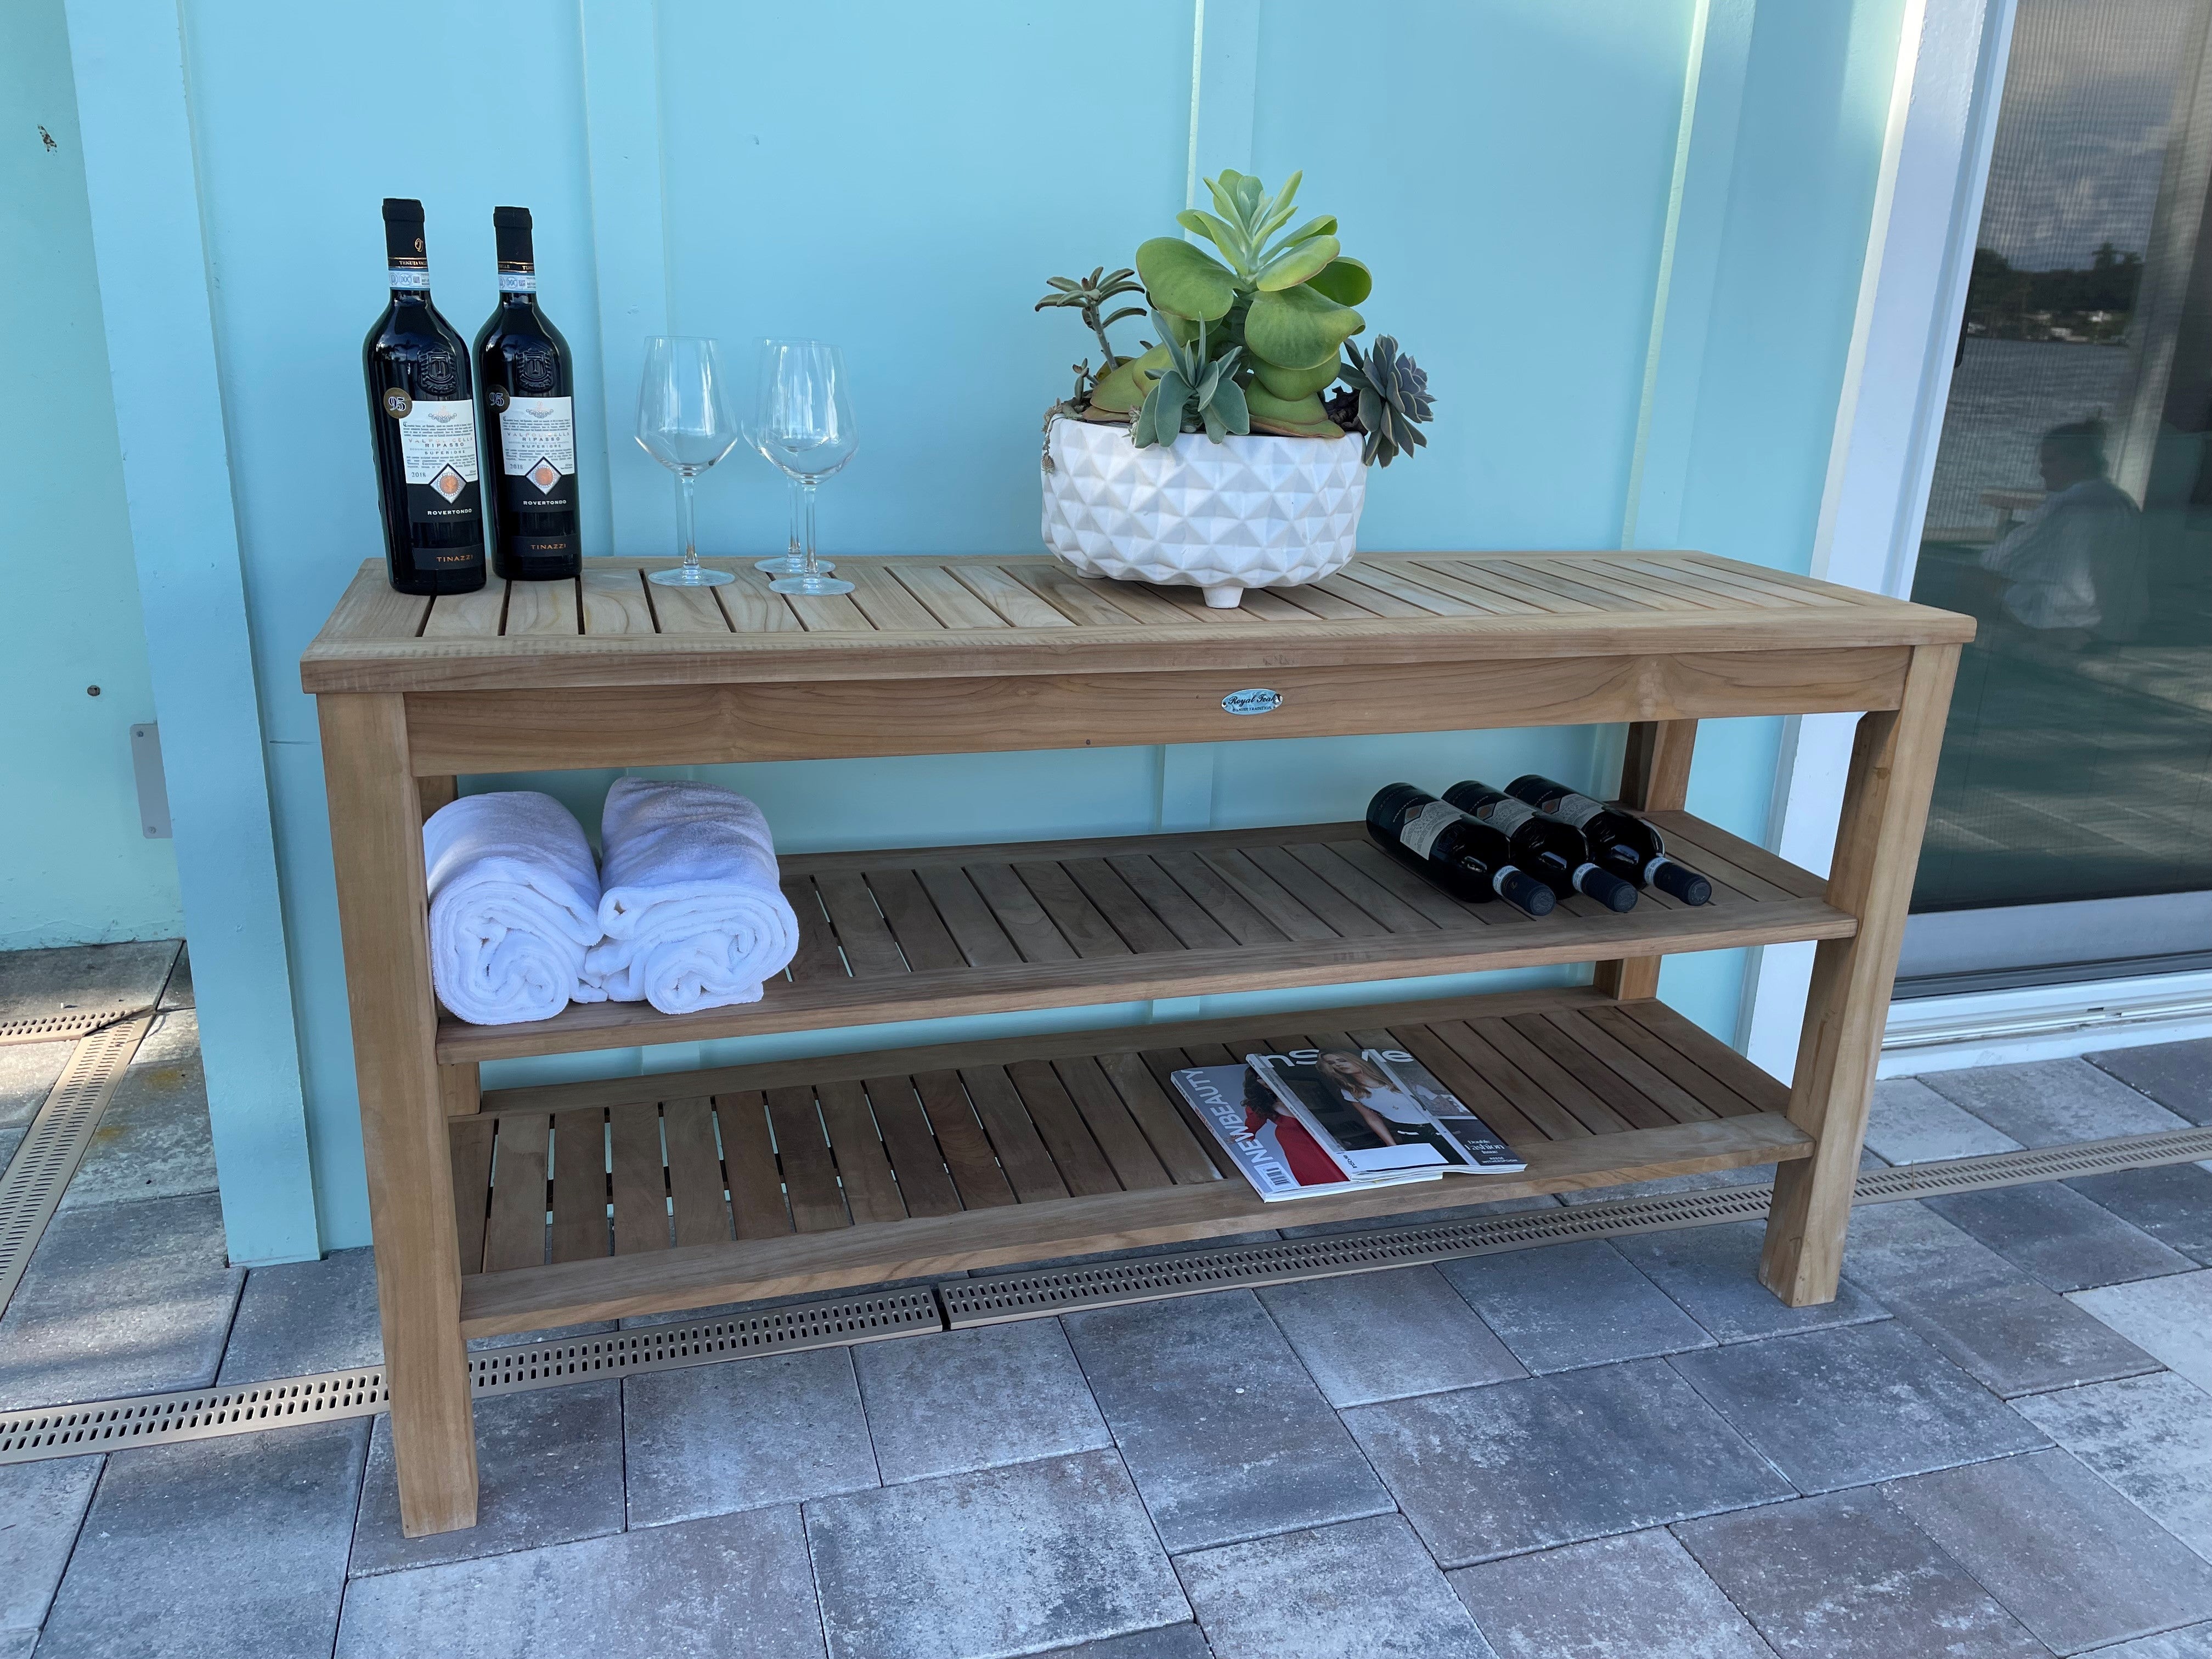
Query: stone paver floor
pixel 1996 1442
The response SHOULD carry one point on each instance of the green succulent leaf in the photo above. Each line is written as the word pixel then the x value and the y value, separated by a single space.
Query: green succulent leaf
pixel 1324 225
pixel 1348 282
pixel 1299 262
pixel 1226 237
pixel 1283 411
pixel 1248 198
pixel 1229 401
pixel 1185 280
pixel 1297 328
pixel 1294 382
pixel 1122 390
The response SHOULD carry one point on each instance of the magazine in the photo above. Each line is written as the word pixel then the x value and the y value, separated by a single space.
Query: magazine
pixel 1306 1122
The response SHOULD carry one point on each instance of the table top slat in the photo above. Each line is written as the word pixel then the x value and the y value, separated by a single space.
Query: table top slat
pixel 989 617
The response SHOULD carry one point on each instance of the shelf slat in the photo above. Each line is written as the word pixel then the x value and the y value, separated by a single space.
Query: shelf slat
pixel 898 1164
pixel 939 931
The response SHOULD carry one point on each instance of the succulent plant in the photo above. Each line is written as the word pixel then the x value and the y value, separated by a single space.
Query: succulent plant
pixel 1389 394
pixel 1250 339
pixel 1194 394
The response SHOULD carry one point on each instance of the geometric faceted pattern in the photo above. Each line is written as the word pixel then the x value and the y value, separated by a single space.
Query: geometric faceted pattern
pixel 1250 512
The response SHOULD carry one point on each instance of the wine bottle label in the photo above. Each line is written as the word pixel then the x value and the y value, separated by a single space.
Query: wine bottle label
pixel 518 281
pixel 438 445
pixel 411 278
pixel 1505 813
pixel 1418 833
pixel 1577 809
pixel 538 443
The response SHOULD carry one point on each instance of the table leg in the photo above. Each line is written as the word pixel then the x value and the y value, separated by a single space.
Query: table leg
pixel 376 834
pixel 1655 777
pixel 1877 853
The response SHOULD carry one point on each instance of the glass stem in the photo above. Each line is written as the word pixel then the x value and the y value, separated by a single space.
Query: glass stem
pixel 686 536
pixel 792 550
pixel 806 524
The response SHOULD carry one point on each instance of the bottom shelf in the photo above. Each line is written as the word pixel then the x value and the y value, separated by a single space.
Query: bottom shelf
pixel 640 1195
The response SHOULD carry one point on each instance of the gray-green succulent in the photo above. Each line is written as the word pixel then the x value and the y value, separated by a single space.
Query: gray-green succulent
pixel 1250 339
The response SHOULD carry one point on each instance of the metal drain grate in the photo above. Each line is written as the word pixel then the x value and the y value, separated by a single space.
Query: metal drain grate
pixel 159 1419
pixel 51 1147
pixel 62 1028
pixel 203 1413
pixel 1030 1295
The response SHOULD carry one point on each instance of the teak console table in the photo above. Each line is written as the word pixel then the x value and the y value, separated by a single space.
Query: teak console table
pixel 526 1208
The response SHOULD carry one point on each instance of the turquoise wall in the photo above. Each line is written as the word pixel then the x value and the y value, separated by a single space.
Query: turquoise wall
pixel 74 867
pixel 902 179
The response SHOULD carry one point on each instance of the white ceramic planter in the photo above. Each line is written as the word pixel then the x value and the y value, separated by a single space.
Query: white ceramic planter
pixel 1252 512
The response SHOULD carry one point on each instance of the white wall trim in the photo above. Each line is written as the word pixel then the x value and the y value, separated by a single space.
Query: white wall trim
pixel 2044 1022
pixel 1927 207
pixel 141 183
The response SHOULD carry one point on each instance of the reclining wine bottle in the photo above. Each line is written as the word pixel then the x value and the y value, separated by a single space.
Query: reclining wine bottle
pixel 1624 843
pixel 1550 849
pixel 1464 856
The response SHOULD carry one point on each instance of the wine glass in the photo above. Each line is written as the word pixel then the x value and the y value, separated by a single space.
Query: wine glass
pixel 684 423
pixel 802 423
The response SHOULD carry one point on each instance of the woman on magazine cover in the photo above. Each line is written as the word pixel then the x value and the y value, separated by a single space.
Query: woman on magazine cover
pixel 1309 1166
pixel 1394 1115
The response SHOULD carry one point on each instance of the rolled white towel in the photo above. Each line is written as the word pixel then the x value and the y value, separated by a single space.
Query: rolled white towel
pixel 514 903
pixel 692 915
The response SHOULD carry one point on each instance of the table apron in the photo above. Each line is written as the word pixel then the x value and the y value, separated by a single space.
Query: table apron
pixel 580 727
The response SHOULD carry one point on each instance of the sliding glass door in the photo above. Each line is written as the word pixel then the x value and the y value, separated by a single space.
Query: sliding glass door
pixel 2071 512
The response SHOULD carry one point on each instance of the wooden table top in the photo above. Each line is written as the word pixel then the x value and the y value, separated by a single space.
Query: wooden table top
pixel 928 617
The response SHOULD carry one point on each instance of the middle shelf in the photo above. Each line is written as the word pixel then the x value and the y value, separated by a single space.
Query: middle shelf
pixel 926 934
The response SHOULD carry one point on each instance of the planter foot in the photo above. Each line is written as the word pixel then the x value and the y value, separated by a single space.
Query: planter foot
pixel 1226 597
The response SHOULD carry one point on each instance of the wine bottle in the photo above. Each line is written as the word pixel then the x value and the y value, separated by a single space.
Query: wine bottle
pixel 1549 848
pixel 1464 856
pixel 1622 841
pixel 528 382
pixel 422 426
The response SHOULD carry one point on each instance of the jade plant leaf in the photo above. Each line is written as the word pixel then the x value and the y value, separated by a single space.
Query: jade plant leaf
pixel 1294 382
pixel 1297 264
pixel 1297 328
pixel 1185 280
pixel 1226 237
pixel 1348 282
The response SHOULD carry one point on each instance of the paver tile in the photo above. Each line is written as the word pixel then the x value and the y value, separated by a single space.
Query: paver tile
pixel 1849 1576
pixel 301 1317
pixel 2011 1334
pixel 18 1644
pixel 975 1398
pixel 2059 1237
pixel 1425 1217
pixel 127 1299
pixel 1910 1123
pixel 2076 1563
pixel 28 1072
pixel 2169 1319
pixel 2177 1075
pixel 549 1470
pixel 40 1506
pixel 1364 1589
pixel 120 977
pixel 2172 1203
pixel 1713 1273
pixel 2195 1642
pixel 2149 1437
pixel 1382 1336
pixel 1637 1596
pixel 2048 1103
pixel 1226 1434
pixel 1166 1642
pixel 995 1562
pixel 232 1549
pixel 153 1140
pixel 1520 1466
pixel 729 1585
pixel 1845 1407
pixel 742 1436
pixel 1568 1305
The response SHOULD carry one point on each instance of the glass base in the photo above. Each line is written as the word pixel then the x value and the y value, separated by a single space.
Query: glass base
pixel 811 584
pixel 679 577
pixel 789 564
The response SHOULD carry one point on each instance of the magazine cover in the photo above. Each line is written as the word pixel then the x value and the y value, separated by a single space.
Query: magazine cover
pixel 1276 1151
pixel 1489 1154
